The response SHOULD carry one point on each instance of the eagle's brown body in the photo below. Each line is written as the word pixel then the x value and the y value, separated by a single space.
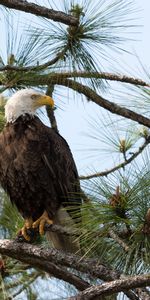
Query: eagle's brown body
pixel 37 168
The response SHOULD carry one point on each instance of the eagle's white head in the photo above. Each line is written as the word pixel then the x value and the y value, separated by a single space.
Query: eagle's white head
pixel 25 101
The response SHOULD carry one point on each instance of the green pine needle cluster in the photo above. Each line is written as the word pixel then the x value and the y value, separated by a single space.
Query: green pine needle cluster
pixel 116 221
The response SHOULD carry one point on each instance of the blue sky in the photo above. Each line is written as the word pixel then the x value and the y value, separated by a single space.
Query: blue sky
pixel 73 121
pixel 75 114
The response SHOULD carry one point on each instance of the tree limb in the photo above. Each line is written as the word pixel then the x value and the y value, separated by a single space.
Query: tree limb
pixel 112 287
pixel 80 74
pixel 29 253
pixel 53 261
pixel 42 11
pixel 89 93
pixel 143 293
pixel 103 75
pixel 99 100
pixel 119 166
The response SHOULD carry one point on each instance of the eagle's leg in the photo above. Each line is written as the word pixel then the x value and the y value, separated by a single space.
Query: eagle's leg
pixel 27 225
pixel 44 219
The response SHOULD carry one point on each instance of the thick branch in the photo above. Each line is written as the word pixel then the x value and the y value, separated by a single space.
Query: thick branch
pixel 53 261
pixel 23 251
pixel 113 287
pixel 119 166
pixel 27 254
pixel 42 11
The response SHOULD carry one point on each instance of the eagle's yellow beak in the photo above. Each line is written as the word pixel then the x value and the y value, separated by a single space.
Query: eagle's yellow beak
pixel 45 100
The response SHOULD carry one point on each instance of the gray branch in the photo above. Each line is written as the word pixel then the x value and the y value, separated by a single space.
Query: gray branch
pixel 112 287
pixel 31 253
pixel 56 263
pixel 99 100
pixel 42 11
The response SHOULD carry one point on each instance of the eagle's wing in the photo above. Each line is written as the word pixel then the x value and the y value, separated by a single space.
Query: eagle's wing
pixel 37 169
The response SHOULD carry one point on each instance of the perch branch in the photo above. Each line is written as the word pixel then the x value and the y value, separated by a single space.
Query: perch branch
pixel 48 256
pixel 55 262
pixel 28 254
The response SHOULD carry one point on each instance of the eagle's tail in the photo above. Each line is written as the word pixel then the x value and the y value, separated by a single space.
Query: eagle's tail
pixel 61 241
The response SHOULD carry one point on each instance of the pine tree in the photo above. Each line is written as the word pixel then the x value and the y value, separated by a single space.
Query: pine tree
pixel 67 48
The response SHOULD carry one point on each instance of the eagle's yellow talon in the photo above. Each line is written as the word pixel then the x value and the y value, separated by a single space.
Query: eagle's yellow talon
pixel 44 219
pixel 27 225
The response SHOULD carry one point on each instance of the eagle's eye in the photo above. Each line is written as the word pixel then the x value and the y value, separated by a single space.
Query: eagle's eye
pixel 34 96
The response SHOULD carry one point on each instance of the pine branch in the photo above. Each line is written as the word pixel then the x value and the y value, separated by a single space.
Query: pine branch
pixel 47 259
pixel 110 106
pixel 42 11
pixel 108 76
pixel 113 287
pixel 55 262
pixel 119 166
pixel 36 257
pixel 36 68
pixel 102 75
pixel 80 74
pixel 90 94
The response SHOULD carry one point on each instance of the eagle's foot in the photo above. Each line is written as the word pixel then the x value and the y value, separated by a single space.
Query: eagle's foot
pixel 44 219
pixel 27 225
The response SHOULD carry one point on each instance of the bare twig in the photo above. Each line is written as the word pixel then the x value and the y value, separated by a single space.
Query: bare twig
pixel 42 11
pixel 119 166
pixel 117 239
pixel 113 287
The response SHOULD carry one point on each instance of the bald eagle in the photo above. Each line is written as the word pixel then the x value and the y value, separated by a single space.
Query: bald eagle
pixel 37 169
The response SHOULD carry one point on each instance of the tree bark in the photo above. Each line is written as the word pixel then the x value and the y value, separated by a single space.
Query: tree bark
pixel 29 253
pixel 42 11
pixel 99 100
pixel 113 287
